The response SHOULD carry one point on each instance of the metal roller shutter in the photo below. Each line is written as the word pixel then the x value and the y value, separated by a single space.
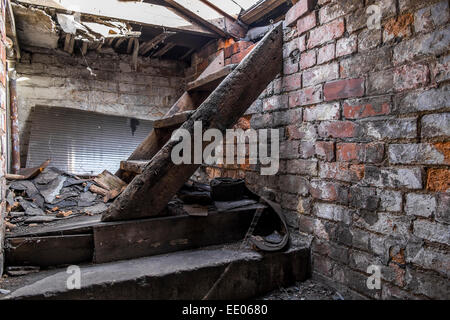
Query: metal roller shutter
pixel 82 142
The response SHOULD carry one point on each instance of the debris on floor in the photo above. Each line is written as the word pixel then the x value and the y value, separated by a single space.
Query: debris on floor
pixel 53 194
pixel 307 290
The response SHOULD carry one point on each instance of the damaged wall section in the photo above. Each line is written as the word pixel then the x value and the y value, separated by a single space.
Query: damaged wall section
pixel 55 78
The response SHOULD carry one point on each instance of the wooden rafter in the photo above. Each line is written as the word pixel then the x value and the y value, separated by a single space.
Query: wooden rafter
pixel 259 11
pixel 194 28
pixel 166 48
pixel 145 48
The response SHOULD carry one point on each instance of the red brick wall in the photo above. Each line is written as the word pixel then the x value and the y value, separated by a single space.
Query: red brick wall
pixel 3 125
pixel 365 150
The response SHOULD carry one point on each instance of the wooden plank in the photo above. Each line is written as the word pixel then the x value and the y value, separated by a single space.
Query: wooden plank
pixel 162 179
pixel 140 238
pixel 174 120
pixel 49 251
pixel 109 181
pixel 166 48
pixel 154 42
pixel 133 166
pixel 209 82
pixel 256 13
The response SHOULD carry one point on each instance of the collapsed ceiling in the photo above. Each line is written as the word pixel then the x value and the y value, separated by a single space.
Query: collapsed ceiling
pixel 152 28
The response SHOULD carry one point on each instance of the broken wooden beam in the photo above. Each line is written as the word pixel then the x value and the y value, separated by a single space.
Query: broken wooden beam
pixel 148 194
pixel 164 49
pixel 209 82
pixel 133 166
pixel 173 120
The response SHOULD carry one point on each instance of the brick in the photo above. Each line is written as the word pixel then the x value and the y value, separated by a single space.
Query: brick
pixel 306 23
pixel 442 212
pixel 357 20
pixel 326 53
pixel 384 223
pixel 423 205
pixel 441 69
pixel 306 96
pixel 289 47
pixel 420 153
pixel 259 121
pixel 369 39
pixel 307 59
pixel 338 129
pixel 390 200
pixel 302 43
pixel 294 184
pixel 291 82
pixel 325 33
pixel 367 107
pixel 398 27
pixel 330 249
pixel 341 171
pixel 341 89
pixel 325 150
pixel 435 44
pixel 338 9
pixel 429 18
pixel 366 62
pixel 381 82
pixel 322 112
pixel 333 212
pixel 424 100
pixel 432 231
pixel 290 66
pixel 287 117
pixel 391 129
pixel 346 46
pixel 359 152
pixel 428 258
pixel 409 178
pixel 300 166
pixel 289 149
pixel 307 149
pixel 436 125
pixel 328 191
pixel 275 103
pixel 306 224
pixel 438 180
pixel 410 77
pixel 305 131
pixel 301 8
pixel 320 74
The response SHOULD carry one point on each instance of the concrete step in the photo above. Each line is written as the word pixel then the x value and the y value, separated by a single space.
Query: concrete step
pixel 179 275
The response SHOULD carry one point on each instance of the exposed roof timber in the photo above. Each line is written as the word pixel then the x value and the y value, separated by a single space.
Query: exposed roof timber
pixel 257 12
pixel 224 26
pixel 196 17
pixel 193 28
pixel 166 48
pixel 144 49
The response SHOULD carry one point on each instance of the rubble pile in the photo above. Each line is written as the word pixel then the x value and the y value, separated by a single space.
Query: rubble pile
pixel 50 196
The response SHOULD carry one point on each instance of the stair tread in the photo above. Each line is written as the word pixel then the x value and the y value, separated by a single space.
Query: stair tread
pixel 184 267
pixel 210 82
pixel 173 120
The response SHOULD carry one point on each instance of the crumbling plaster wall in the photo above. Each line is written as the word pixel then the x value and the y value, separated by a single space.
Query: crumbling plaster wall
pixel 56 78
pixel 364 117
pixel 3 128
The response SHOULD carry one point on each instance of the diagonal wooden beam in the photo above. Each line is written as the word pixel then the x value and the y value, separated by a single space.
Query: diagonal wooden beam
pixel 163 50
pixel 154 42
pixel 148 193
pixel 196 18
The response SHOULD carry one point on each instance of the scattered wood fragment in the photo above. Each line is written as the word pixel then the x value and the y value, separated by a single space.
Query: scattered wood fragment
pixel 108 181
pixel 98 190
pixel 64 214
pixel 27 173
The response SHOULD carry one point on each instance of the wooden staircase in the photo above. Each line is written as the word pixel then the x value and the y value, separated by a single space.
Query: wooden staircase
pixel 137 224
